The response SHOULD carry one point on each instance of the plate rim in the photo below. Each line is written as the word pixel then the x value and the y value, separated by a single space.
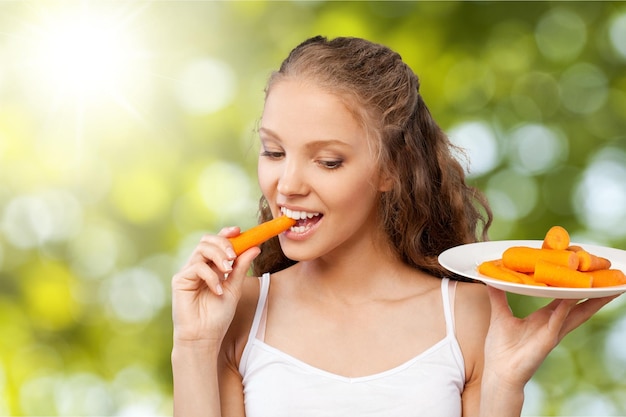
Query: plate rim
pixel 525 289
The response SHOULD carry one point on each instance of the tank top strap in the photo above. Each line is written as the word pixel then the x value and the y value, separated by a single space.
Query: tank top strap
pixel 257 330
pixel 448 290
pixel 260 316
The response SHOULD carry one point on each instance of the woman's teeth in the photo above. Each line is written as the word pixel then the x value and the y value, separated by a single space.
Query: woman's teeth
pixel 299 229
pixel 298 215
pixel 302 216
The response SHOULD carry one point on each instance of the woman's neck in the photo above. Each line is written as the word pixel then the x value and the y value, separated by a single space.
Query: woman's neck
pixel 355 276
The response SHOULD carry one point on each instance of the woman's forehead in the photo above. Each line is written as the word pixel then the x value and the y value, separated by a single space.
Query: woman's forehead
pixel 308 105
pixel 303 104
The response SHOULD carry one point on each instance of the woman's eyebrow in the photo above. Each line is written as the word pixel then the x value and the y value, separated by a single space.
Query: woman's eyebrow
pixel 318 143
pixel 322 143
pixel 268 132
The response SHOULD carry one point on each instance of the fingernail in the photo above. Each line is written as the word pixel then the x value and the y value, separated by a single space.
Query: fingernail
pixel 219 289
pixel 228 265
pixel 231 253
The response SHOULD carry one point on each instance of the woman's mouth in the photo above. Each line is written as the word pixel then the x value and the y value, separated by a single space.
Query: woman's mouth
pixel 304 219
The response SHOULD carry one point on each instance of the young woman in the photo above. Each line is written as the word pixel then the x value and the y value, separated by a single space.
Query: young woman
pixel 351 314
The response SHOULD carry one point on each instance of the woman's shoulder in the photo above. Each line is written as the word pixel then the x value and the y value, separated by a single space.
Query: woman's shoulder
pixel 472 315
pixel 472 306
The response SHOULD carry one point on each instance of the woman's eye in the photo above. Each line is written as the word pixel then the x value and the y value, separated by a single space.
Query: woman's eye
pixel 272 154
pixel 334 164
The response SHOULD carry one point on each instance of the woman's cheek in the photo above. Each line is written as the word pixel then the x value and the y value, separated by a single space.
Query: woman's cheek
pixel 264 175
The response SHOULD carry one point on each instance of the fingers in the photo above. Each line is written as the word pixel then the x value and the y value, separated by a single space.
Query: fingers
pixel 208 264
pixel 214 249
pixel 583 311
pixel 560 310
pixel 567 315
pixel 196 276
pixel 241 266
pixel 212 261
pixel 229 232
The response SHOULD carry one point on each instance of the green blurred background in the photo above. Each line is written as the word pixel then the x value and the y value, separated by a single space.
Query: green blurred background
pixel 127 131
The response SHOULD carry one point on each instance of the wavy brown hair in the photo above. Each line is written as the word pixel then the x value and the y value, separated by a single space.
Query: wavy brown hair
pixel 430 208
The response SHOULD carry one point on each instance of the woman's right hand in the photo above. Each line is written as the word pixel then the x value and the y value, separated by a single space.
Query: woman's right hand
pixel 203 301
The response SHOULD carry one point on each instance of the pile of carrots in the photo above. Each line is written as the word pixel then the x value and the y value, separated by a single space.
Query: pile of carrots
pixel 556 264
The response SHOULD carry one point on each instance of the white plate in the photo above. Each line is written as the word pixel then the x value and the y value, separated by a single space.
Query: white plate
pixel 464 260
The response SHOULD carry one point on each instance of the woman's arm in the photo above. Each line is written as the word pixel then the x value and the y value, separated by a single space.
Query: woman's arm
pixel 516 347
pixel 472 315
pixel 203 308
pixel 503 352
pixel 196 389
pixel 213 377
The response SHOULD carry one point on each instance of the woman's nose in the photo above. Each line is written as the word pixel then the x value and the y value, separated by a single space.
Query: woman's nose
pixel 291 181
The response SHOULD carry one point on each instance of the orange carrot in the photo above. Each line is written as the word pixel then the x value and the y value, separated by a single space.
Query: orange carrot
pixel 588 262
pixel 607 277
pixel 259 234
pixel 561 276
pixel 523 258
pixel 495 269
pixel 556 238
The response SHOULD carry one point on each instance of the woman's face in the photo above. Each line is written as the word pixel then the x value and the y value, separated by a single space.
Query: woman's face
pixel 316 165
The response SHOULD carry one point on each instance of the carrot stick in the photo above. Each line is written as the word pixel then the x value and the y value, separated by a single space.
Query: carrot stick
pixel 259 234
pixel 561 276
pixel 495 269
pixel 556 238
pixel 523 258
pixel 589 262
pixel 607 277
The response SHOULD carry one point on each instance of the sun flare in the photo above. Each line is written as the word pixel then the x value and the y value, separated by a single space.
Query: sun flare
pixel 84 54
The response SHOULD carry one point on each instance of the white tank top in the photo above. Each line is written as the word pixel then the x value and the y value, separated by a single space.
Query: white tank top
pixel 276 384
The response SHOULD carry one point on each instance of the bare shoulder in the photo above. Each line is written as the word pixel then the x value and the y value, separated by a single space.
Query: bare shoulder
pixel 472 298
pixel 239 330
pixel 472 315
pixel 472 308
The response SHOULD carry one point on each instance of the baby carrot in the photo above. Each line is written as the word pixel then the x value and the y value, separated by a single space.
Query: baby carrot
pixel 523 258
pixel 556 238
pixel 589 262
pixel 561 276
pixel 259 234
pixel 495 269
pixel 607 277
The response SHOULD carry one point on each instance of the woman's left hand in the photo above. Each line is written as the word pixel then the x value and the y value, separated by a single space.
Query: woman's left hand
pixel 516 347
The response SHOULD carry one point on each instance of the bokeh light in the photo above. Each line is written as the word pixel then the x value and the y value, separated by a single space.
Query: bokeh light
pixel 48 216
pixel 134 295
pixel 601 195
pixel 617 34
pixel 223 183
pixel 584 88
pixel 206 85
pixel 478 141
pixel 535 149
pixel 561 34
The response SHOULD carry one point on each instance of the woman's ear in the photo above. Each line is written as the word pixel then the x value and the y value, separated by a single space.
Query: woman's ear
pixel 386 183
